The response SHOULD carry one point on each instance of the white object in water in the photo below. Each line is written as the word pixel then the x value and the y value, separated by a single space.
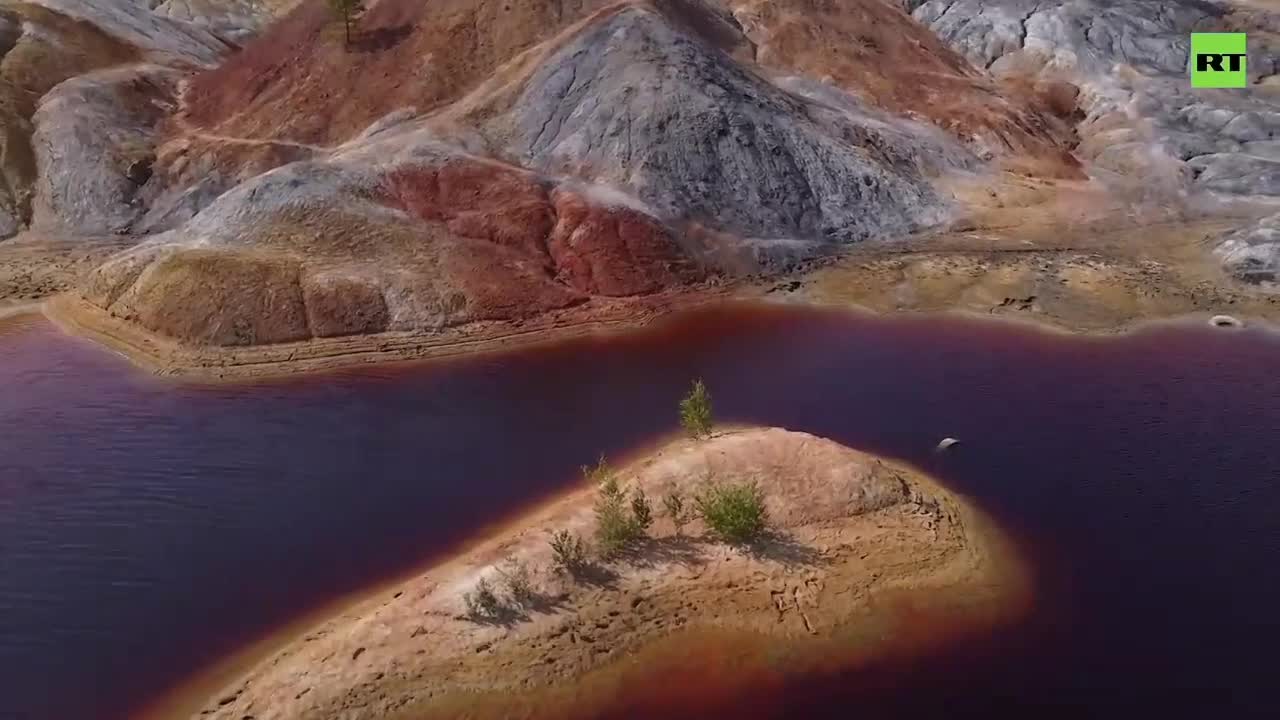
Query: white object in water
pixel 947 442
pixel 1224 321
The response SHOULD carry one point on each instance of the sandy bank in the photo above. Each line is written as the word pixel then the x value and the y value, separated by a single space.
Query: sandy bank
pixel 852 533
pixel 1057 258
pixel 167 357
pixel 8 310
pixel 1101 275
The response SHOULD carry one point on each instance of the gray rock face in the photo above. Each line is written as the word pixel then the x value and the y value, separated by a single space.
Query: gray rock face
pixel 640 103
pixel 176 205
pixel 1085 35
pixel 1236 173
pixel 235 20
pixel 1130 57
pixel 1252 253
pixel 164 39
pixel 93 141
pixel 1145 123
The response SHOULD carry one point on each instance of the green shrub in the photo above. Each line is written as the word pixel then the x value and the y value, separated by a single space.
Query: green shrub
pixel 733 512
pixel 569 552
pixel 482 602
pixel 517 581
pixel 618 523
pixel 695 411
pixel 673 502
pixel 615 527
pixel 641 511
pixel 598 475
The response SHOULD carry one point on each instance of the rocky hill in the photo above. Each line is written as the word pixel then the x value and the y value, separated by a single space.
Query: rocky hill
pixel 489 161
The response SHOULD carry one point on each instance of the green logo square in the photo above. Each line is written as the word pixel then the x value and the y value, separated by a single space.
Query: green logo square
pixel 1218 60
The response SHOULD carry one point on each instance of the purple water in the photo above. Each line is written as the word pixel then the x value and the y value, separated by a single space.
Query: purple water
pixel 148 528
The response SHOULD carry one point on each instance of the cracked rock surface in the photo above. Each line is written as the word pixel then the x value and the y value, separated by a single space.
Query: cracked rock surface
pixel 1130 59
pixel 1252 253
pixel 639 103
pixel 1144 123
pixel 93 147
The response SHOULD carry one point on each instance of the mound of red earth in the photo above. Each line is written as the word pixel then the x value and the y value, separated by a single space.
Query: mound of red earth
pixel 464 161
pixel 322 250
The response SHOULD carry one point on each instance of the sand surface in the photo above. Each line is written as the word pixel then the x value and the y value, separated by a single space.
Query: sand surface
pixel 850 534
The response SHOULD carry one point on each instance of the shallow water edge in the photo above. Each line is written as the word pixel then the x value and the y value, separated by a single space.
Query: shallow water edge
pixel 167 358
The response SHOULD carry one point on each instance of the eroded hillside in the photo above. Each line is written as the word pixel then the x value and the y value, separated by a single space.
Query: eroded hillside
pixel 467 164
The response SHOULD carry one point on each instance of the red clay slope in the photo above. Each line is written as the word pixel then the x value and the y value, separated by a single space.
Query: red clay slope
pixel 298 81
pixel 877 51
pixel 594 248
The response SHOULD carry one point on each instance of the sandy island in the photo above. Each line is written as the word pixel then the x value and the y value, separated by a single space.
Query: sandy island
pixel 852 536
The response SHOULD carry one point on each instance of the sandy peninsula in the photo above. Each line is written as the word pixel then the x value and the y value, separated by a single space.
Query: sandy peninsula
pixel 178 359
pixel 851 534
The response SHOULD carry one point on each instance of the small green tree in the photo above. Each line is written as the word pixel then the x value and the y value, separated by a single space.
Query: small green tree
pixel 347 10
pixel 619 523
pixel 615 527
pixel 569 552
pixel 733 512
pixel 641 511
pixel 674 504
pixel 695 411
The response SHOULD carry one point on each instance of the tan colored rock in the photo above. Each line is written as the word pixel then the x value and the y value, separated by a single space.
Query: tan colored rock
pixel 214 297
pixel 341 304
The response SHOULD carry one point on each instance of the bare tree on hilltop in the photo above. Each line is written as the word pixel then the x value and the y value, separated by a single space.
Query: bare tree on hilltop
pixel 346 9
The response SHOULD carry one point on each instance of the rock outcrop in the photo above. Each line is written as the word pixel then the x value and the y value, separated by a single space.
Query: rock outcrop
pixel 874 51
pixel 1142 123
pixel 1252 253
pixel 642 102
pixel 234 20
pixel 1144 130
pixel 159 37
pixel 94 138
pixel 40 49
